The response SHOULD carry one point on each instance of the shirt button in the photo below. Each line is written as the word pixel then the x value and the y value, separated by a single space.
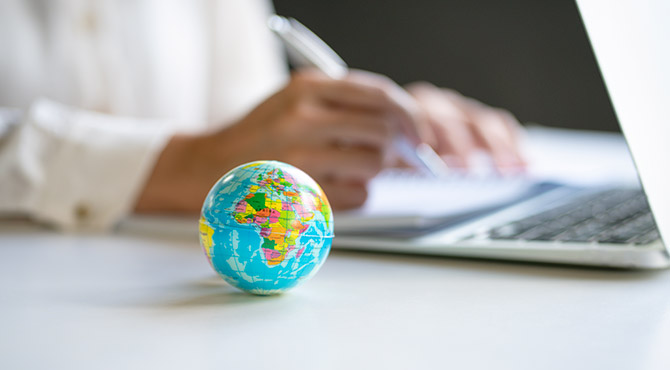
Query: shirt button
pixel 89 22
pixel 81 212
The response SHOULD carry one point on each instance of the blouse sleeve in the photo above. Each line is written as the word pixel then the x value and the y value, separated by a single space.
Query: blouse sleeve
pixel 76 169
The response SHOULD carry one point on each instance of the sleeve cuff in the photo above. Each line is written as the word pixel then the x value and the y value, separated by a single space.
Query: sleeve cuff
pixel 84 170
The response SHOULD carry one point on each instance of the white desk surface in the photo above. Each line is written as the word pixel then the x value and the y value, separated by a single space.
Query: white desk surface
pixel 138 301
pixel 141 302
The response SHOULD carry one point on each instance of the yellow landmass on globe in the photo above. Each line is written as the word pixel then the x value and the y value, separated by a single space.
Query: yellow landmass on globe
pixel 206 233
pixel 254 164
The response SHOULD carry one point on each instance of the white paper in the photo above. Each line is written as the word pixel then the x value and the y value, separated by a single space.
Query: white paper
pixel 555 155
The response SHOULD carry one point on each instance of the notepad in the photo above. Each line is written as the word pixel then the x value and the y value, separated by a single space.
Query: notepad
pixel 402 202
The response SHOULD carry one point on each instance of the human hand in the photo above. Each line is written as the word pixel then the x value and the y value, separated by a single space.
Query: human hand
pixel 462 125
pixel 338 131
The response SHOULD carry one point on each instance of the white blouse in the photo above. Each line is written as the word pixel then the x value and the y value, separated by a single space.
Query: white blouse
pixel 103 84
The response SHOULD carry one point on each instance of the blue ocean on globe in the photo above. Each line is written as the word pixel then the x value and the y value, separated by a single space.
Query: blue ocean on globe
pixel 266 226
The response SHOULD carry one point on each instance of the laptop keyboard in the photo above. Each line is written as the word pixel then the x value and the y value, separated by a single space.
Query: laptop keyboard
pixel 615 216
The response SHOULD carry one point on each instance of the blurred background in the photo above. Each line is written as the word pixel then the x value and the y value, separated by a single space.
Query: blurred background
pixel 530 57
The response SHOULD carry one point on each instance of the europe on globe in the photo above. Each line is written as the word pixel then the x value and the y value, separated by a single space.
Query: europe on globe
pixel 266 227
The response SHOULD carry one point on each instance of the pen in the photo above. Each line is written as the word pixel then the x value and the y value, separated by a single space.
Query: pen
pixel 305 49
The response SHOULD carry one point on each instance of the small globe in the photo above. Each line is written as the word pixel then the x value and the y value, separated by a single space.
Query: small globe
pixel 266 227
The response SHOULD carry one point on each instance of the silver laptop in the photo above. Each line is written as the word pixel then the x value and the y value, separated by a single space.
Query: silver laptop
pixel 603 226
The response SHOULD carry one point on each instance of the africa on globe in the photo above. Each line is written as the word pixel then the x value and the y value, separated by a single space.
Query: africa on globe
pixel 266 227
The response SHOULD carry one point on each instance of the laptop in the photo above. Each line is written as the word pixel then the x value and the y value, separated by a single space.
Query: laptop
pixel 613 226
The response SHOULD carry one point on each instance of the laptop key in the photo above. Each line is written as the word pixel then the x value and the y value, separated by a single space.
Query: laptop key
pixel 574 237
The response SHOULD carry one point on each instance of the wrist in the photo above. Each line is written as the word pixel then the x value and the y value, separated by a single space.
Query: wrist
pixel 169 187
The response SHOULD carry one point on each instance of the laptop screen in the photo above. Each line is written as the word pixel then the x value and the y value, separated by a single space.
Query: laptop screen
pixel 630 40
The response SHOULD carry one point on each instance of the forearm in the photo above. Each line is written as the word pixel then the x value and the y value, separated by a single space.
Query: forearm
pixel 169 188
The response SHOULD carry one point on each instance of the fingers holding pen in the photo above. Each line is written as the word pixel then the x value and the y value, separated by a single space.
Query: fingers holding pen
pixel 314 122
pixel 346 165
pixel 364 129
pixel 410 117
pixel 361 90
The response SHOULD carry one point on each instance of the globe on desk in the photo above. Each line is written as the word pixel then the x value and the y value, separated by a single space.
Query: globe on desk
pixel 266 227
